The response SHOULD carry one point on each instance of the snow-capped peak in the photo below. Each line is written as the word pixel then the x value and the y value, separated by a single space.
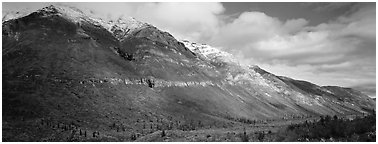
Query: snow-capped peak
pixel 67 12
pixel 209 52
pixel 129 22
pixel 120 27
pixel 125 25
pixel 71 13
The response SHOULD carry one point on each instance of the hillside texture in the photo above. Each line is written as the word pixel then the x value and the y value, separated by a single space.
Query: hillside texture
pixel 66 74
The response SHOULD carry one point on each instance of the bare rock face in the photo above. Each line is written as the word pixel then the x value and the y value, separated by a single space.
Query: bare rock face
pixel 63 66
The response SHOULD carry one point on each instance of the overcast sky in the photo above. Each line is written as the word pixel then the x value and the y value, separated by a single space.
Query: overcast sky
pixel 324 43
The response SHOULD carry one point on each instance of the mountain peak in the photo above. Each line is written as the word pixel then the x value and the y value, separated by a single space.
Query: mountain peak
pixel 129 22
pixel 62 10
pixel 50 9
pixel 209 52
pixel 71 12
pixel 124 25
pixel 75 15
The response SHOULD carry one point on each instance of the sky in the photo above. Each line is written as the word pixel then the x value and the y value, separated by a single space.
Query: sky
pixel 324 43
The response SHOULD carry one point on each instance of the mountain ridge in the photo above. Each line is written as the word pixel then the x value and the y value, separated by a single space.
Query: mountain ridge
pixel 74 68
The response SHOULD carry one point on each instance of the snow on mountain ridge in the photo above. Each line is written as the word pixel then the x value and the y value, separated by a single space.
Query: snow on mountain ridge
pixel 70 13
pixel 240 73
pixel 210 52
pixel 236 72
pixel 124 26
pixel 76 15
pixel 120 27
pixel 129 22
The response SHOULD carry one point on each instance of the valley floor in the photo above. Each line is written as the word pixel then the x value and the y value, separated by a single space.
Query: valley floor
pixel 277 130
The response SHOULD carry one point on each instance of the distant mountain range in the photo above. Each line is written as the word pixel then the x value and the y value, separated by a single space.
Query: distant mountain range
pixel 65 67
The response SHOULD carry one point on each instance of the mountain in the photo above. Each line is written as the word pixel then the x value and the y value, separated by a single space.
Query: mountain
pixel 368 89
pixel 65 71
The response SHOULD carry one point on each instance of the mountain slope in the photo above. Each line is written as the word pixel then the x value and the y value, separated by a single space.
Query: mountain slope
pixel 62 68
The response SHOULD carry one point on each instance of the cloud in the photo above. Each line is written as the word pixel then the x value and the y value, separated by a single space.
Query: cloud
pixel 332 6
pixel 267 38
pixel 193 21
pixel 107 11
pixel 360 23
pixel 248 28
pixel 294 25
pixel 338 74
pixel 338 52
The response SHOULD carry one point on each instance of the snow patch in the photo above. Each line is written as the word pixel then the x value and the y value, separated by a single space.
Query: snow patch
pixel 209 52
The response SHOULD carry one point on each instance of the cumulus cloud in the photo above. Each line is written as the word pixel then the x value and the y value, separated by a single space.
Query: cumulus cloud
pixel 338 52
pixel 265 37
pixel 293 26
pixel 249 27
pixel 193 21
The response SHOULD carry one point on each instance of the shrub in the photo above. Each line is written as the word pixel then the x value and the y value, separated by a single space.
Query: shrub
pixel 163 133
pixel 335 128
pixel 244 136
